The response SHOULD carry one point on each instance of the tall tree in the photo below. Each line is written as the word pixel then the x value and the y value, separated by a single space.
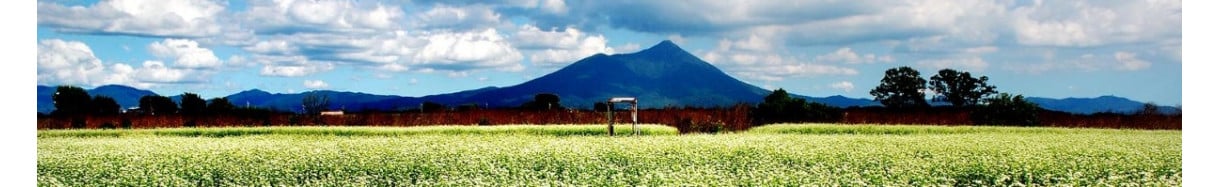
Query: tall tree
pixel 959 88
pixel 901 88
pixel 1006 109
pixel 103 105
pixel 158 105
pixel 192 104
pixel 314 103
pixel 219 106
pixel 71 101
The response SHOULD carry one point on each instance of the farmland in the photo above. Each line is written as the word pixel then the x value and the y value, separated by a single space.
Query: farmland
pixel 772 155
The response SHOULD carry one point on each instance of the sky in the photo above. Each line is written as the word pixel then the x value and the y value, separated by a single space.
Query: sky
pixel 1057 49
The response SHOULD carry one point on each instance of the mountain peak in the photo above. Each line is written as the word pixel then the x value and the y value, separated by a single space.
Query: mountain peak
pixel 665 46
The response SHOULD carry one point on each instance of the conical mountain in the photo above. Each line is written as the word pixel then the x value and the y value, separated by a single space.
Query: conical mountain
pixel 660 76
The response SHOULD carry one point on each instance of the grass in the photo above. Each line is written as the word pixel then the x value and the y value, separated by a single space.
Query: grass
pixel 775 155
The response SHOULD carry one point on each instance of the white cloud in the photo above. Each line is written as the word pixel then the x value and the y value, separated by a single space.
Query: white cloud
pixel 843 85
pixel 73 63
pixel 296 69
pixel 846 55
pixel 179 18
pixel 1089 23
pixel 559 48
pixel 315 84
pixel 185 53
pixel 68 62
pixel 465 51
pixel 292 16
pixel 459 18
pixel 1129 62
pixel 767 65
pixel 973 64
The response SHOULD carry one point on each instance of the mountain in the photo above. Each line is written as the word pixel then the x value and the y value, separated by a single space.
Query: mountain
pixel 660 76
pixel 844 102
pixel 124 95
pixel 1096 105
pixel 350 101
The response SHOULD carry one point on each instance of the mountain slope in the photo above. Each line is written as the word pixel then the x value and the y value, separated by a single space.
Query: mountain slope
pixel 660 76
pixel 126 96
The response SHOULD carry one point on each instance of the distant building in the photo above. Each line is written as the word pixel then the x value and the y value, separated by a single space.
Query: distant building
pixel 332 113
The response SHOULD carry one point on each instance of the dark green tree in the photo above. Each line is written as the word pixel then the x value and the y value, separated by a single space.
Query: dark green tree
pixel 103 105
pixel 959 88
pixel 192 104
pixel 779 106
pixel 158 105
pixel 314 103
pixel 901 88
pixel 219 106
pixel 1005 109
pixel 429 106
pixel 71 101
pixel 543 101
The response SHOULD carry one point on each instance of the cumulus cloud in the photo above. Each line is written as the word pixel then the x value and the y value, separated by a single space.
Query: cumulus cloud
pixel 557 48
pixel 458 18
pixel 184 18
pixel 185 53
pixel 73 63
pixel 1128 61
pixel 68 62
pixel 974 64
pixel 464 51
pixel 316 84
pixel 843 85
pixel 292 16
pixel 1093 23
pixel 846 55
pixel 766 65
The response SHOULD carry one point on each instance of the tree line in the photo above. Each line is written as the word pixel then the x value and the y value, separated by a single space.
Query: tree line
pixel 904 89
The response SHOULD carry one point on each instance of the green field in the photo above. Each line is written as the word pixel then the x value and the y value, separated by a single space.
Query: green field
pixel 774 155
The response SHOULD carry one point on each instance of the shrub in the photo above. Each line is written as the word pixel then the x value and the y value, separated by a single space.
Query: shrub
pixel 1005 109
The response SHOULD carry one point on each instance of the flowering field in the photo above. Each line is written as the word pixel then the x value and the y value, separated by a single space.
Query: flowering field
pixel 774 155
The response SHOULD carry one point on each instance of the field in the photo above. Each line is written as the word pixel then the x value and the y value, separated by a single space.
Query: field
pixel 773 155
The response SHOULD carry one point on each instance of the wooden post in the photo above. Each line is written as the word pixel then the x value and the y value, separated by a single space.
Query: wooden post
pixel 610 117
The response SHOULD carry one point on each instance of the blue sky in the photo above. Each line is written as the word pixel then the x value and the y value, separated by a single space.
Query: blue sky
pixel 819 48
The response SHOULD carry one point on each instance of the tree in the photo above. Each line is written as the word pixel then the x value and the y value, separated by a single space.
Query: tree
pixel 103 105
pixel 901 88
pixel 314 103
pixel 192 104
pixel 71 101
pixel 959 88
pixel 429 106
pixel 779 106
pixel 155 104
pixel 543 101
pixel 600 106
pixel 219 106
pixel 1005 109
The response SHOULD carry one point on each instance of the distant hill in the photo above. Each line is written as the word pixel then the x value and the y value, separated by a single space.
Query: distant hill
pixel 1098 104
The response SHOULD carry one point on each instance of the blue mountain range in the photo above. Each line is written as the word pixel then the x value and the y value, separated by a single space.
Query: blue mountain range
pixel 660 76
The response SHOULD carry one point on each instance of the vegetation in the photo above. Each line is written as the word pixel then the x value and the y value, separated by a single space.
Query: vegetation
pixel 959 88
pixel 70 101
pixel 773 155
pixel 902 87
pixel 314 103
pixel 1005 109
pixel 158 105
pixel 192 104
pixel 543 101
pixel 779 106
pixel 104 106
